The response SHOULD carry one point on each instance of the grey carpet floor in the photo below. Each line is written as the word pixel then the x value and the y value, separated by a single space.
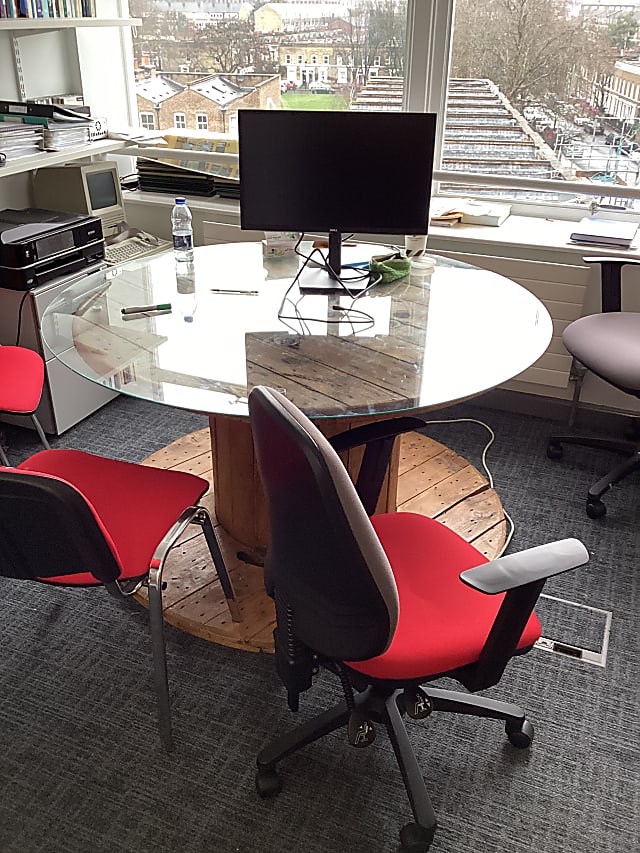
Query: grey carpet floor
pixel 82 771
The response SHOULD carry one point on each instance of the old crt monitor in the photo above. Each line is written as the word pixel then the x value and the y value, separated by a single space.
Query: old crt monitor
pixel 92 188
pixel 339 173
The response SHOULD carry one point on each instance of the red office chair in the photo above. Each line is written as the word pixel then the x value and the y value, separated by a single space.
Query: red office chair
pixel 73 519
pixel 21 383
pixel 387 603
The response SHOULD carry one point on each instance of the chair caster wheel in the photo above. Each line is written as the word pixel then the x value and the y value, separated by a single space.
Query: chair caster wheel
pixel 520 735
pixel 554 450
pixel 415 838
pixel 268 782
pixel 596 508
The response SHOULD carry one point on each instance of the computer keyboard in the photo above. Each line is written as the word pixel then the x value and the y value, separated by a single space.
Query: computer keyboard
pixel 131 249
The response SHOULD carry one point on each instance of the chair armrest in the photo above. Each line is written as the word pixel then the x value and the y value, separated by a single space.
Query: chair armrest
pixel 522 577
pixel 378 437
pixel 534 564
pixel 377 431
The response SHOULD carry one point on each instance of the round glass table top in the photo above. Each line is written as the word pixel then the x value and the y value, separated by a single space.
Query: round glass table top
pixel 236 321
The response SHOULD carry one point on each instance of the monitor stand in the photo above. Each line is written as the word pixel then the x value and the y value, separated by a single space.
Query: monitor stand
pixel 350 259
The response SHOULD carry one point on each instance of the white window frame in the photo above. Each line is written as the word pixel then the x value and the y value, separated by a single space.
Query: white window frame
pixel 180 121
pixel 427 60
pixel 202 121
pixel 147 120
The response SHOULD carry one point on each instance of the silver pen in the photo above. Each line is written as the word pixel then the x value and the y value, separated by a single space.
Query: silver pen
pixel 235 292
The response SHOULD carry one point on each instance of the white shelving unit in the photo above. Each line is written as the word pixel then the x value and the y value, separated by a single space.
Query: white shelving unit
pixel 56 56
pixel 36 24
pixel 55 158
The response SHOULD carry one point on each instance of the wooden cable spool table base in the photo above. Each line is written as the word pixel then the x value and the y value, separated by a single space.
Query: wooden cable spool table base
pixel 432 480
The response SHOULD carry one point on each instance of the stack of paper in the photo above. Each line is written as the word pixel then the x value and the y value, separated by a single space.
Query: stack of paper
pixel 469 211
pixel 605 232
pixel 17 140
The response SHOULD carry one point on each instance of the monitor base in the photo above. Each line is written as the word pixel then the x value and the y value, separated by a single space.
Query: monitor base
pixel 317 280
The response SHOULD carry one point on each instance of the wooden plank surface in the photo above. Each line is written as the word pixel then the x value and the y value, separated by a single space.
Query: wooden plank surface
pixel 431 480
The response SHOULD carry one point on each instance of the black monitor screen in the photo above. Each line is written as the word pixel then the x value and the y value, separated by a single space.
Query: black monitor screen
pixel 102 191
pixel 351 172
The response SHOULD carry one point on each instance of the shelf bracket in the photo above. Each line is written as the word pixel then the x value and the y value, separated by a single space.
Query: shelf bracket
pixel 15 43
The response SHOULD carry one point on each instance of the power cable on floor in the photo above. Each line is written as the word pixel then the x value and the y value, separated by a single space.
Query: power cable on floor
pixel 487 471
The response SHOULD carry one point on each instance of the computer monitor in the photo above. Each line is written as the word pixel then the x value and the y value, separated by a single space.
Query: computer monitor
pixel 339 173
pixel 92 188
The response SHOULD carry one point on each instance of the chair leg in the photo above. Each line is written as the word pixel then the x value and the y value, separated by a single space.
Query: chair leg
pixel 303 735
pixel 624 448
pixel 156 621
pixel 415 787
pixel 204 520
pixel 381 706
pixel 622 470
pixel 40 432
pixel 3 458
pixel 457 702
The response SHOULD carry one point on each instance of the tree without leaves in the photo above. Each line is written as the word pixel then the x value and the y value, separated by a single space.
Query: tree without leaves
pixel 622 30
pixel 529 48
pixel 377 29
pixel 232 46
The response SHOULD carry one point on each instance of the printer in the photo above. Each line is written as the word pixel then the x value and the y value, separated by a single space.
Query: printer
pixel 38 245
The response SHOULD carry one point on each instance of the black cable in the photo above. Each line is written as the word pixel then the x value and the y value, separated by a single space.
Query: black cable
pixel 364 319
pixel 19 329
pixel 340 279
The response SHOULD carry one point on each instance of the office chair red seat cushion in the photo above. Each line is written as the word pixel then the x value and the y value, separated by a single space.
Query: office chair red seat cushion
pixel 21 380
pixel 159 498
pixel 443 623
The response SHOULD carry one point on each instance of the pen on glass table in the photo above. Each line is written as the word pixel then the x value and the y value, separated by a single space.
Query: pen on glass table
pixel 144 309
pixel 141 315
pixel 234 292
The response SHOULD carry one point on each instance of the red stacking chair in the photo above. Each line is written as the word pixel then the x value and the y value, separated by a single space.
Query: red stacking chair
pixel 386 602
pixel 21 383
pixel 73 519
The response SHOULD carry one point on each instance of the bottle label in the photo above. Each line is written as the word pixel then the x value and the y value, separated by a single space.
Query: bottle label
pixel 182 242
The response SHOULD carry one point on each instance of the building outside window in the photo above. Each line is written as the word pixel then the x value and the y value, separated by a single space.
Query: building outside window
pixel 511 102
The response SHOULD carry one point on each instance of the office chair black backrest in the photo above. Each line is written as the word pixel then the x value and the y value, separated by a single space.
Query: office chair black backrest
pixel 324 559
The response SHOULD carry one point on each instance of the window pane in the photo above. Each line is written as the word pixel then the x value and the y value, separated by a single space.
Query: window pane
pixel 537 89
pixel 280 56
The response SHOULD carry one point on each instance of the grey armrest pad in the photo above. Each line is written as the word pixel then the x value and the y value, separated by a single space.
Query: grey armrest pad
pixel 525 567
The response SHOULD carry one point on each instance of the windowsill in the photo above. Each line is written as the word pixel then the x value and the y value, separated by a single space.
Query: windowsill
pixel 520 236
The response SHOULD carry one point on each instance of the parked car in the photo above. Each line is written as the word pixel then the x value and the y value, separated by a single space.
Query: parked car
pixel 320 88
pixel 629 147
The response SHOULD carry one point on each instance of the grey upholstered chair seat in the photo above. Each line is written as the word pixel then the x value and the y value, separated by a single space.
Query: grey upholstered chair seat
pixel 590 339
pixel 607 344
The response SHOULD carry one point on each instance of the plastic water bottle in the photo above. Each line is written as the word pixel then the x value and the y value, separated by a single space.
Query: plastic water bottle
pixel 182 231
pixel 186 290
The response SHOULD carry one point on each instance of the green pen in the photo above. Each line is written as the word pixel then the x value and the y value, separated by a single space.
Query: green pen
pixel 143 309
